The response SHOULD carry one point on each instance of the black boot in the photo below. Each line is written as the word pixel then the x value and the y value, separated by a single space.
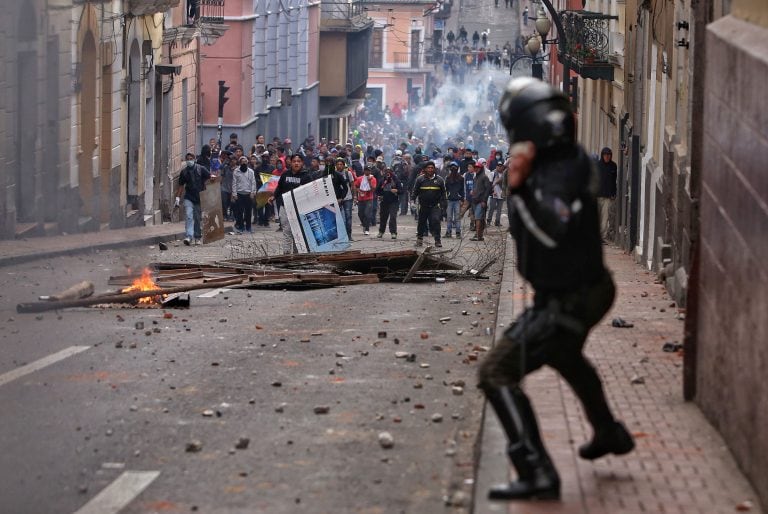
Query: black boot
pixel 613 439
pixel 537 476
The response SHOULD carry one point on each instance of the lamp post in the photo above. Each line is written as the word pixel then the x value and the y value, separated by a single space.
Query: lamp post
pixel 562 44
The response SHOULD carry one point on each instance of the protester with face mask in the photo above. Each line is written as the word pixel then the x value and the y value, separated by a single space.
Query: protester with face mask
pixel 389 203
pixel 192 179
pixel 243 190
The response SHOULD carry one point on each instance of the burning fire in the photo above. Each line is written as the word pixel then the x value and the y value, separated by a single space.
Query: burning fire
pixel 145 283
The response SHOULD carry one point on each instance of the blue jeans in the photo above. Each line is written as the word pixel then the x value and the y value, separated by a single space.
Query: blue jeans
pixel 495 207
pixel 192 227
pixel 453 217
pixel 346 207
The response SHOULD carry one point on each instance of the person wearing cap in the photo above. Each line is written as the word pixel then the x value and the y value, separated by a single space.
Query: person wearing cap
pixel 192 179
pixel 454 188
pixel 429 191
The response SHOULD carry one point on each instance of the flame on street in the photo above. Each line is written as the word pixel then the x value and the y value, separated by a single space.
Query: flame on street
pixel 144 283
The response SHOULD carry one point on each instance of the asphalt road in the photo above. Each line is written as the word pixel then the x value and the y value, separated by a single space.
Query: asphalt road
pixel 104 426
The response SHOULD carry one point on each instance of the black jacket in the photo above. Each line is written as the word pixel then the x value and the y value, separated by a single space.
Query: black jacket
pixel 454 187
pixel 288 182
pixel 558 239
pixel 607 171
pixel 385 186
pixel 429 191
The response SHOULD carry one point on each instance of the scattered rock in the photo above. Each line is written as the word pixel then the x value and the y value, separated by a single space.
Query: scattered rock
pixel 457 499
pixel 424 335
pixel 411 358
pixel 445 319
pixel 276 383
pixel 223 320
pixel 242 443
pixel 437 348
pixel 139 325
pixel 437 417
pixel 459 332
pixel 418 385
pixel 208 413
pixel 281 407
pixel 424 365
pixel 744 506
pixel 119 344
pixel 636 380
pixel 457 390
pixel 163 247
pixel 382 334
pixel 464 313
pixel 644 294
pixel 340 354
pixel 193 446
pixel 322 409
pixel 475 323
pixel 621 323
pixel 401 355
pixel 671 347
pixel 386 440
pixel 304 340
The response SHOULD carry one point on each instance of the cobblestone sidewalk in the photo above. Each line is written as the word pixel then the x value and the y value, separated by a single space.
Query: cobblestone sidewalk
pixel 680 465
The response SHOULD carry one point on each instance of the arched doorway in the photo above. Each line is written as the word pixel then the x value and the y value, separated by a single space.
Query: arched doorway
pixel 87 117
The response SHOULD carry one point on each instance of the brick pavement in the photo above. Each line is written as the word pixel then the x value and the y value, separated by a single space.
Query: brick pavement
pixel 680 465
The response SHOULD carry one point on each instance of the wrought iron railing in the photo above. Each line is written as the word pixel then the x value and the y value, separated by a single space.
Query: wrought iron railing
pixel 211 11
pixel 587 34
pixel 341 10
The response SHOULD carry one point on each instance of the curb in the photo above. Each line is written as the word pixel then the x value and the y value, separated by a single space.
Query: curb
pixel 492 466
pixel 74 250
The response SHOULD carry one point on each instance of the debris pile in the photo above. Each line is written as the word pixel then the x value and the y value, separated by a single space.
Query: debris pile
pixel 164 284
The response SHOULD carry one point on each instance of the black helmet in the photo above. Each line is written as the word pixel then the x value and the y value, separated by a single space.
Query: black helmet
pixel 532 110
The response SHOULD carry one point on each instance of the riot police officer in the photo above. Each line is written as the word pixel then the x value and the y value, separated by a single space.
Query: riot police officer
pixel 553 218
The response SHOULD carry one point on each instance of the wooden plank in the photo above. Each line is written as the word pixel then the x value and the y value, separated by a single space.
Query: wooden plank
pixel 416 265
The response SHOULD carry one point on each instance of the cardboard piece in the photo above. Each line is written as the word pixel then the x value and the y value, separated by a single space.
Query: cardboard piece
pixel 212 217
pixel 315 217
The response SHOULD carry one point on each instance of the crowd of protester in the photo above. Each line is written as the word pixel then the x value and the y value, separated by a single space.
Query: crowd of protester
pixel 374 169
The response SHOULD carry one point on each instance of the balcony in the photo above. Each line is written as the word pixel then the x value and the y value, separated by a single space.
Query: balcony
pixel 143 7
pixel 205 18
pixel 587 34
pixel 341 16
pixel 408 60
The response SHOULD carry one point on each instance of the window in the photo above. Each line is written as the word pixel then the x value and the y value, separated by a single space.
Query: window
pixel 376 57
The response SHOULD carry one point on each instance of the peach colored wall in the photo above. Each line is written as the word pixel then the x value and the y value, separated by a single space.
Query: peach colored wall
pixel 228 60
pixel 314 45
pixel 395 86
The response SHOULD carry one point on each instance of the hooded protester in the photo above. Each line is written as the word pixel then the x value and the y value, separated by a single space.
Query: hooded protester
pixel 607 172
